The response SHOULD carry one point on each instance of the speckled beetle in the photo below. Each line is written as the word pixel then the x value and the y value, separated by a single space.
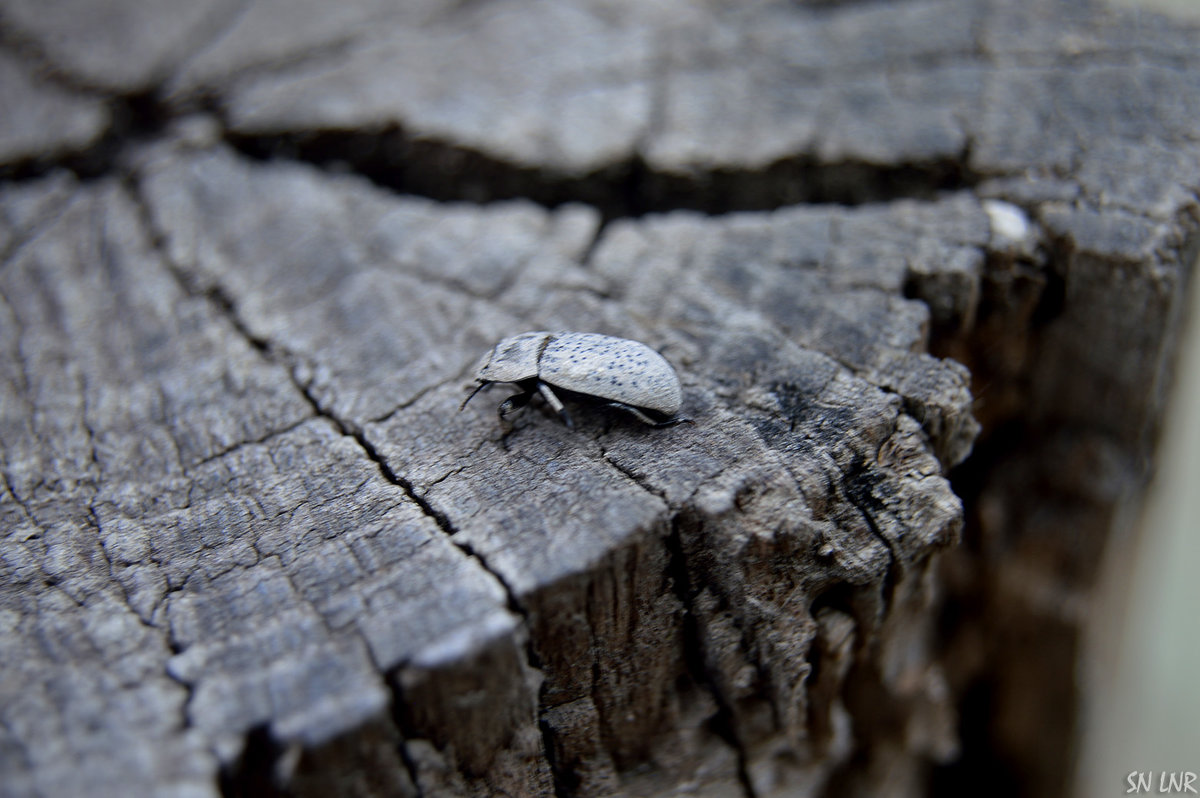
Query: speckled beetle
pixel 625 374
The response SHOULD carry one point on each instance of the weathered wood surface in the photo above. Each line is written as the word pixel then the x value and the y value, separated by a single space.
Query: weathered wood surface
pixel 250 542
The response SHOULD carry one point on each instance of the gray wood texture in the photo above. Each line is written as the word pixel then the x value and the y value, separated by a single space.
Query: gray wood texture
pixel 251 544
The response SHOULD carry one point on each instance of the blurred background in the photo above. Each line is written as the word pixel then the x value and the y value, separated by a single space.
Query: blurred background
pixel 1144 652
pixel 1141 672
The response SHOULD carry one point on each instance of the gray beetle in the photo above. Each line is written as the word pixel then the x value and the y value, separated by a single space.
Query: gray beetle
pixel 622 373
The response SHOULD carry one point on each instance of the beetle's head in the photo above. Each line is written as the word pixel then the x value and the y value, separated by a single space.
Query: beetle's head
pixel 513 359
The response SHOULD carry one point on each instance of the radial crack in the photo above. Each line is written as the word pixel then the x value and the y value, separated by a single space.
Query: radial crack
pixel 696 654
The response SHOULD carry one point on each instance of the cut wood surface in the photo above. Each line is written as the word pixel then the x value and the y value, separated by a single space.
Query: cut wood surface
pixel 251 543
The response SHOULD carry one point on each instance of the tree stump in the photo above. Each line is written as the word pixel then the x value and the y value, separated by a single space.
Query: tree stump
pixel 252 253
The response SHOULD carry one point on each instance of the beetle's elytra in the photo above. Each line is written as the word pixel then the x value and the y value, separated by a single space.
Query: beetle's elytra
pixel 625 374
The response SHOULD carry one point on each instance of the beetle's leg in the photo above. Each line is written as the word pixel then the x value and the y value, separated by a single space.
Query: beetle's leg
pixel 633 411
pixel 513 403
pixel 670 422
pixel 555 403
pixel 482 384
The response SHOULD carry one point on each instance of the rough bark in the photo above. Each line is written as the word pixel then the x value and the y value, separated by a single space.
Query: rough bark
pixel 250 543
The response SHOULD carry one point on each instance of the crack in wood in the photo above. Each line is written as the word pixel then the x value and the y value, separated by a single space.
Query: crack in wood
pixel 396 714
pixel 856 487
pixel 696 656
pixel 443 522
pixel 246 777
pixel 626 188
pixel 621 189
